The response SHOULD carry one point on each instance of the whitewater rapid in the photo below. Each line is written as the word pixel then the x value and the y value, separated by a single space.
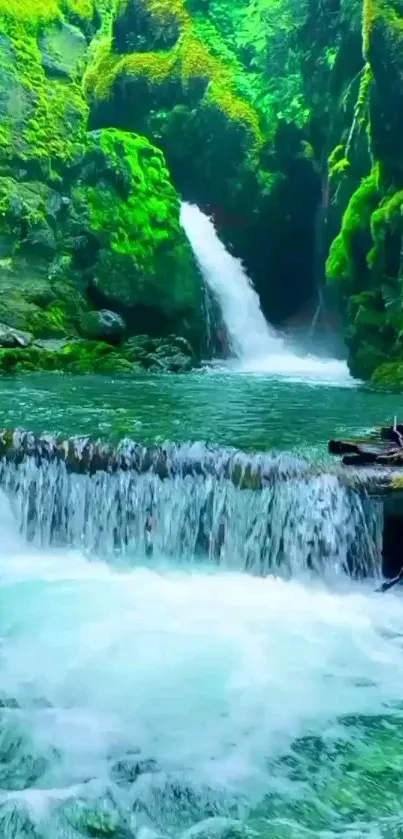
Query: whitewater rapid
pixel 255 346
pixel 172 702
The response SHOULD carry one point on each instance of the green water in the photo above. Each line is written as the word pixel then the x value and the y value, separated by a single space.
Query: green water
pixel 255 708
pixel 248 412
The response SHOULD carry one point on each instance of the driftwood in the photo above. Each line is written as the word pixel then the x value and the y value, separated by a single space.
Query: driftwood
pixel 388 584
pixel 383 448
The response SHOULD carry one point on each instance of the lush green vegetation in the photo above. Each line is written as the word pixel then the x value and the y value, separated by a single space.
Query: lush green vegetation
pixel 87 219
pixel 282 118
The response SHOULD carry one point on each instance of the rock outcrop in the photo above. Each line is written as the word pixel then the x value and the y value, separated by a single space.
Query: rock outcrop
pixel 89 220
pixel 281 119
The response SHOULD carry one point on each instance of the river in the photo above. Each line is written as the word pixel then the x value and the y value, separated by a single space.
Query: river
pixel 165 700
pixel 245 411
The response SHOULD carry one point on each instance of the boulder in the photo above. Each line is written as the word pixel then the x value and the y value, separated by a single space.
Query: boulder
pixel 63 48
pixel 124 227
pixel 13 338
pixel 104 325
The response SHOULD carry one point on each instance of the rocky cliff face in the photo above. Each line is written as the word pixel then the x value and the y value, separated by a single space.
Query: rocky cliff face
pixel 365 263
pixel 281 118
pixel 89 220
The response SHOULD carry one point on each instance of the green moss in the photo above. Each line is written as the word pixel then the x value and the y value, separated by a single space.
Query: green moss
pixel 338 168
pixel 388 377
pixel 341 264
pixel 50 119
pixel 38 12
pixel 361 106
pixel 144 257
pixel 190 59
pixel 388 215
pixel 77 358
pixel 172 354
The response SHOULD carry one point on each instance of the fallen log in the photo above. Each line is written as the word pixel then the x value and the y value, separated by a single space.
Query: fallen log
pixel 89 456
pixel 252 471
pixel 355 453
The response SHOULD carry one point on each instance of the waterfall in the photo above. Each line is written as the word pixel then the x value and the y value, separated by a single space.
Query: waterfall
pixel 249 332
pixel 255 345
pixel 258 513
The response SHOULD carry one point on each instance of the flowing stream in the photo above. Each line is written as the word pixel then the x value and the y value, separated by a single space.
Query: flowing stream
pixel 189 702
pixel 255 346
pixel 181 658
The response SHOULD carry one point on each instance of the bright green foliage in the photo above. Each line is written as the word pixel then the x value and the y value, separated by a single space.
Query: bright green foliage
pixel 341 264
pixel 199 54
pixel 144 257
pixel 42 118
pixel 37 12
pixel 140 354
pixel 268 30
pixel 79 357
pixel 389 377
pixel 366 256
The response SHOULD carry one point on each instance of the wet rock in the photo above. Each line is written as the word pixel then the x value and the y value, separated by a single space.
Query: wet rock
pixel 42 241
pixel 218 828
pixel 173 354
pixel 103 326
pixel 63 49
pixel 14 338
pixel 127 770
pixel 15 821
pixel 52 344
pixel 8 702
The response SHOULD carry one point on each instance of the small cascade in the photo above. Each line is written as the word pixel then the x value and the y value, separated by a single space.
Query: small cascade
pixel 263 514
pixel 253 344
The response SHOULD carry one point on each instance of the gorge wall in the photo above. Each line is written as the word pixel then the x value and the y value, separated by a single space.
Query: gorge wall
pixel 281 119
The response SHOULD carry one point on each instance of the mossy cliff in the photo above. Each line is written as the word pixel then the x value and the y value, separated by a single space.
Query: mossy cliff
pixel 365 265
pixel 88 220
pixel 189 76
pixel 281 118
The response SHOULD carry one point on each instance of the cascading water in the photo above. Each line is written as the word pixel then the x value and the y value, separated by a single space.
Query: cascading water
pixel 256 346
pixel 192 701
pixel 260 513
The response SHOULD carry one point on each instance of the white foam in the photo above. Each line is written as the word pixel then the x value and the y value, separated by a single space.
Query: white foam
pixel 256 347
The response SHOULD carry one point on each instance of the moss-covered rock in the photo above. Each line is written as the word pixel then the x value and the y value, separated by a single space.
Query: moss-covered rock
pixel 103 326
pixel 139 355
pixel 173 354
pixel 366 256
pixel 180 74
pixel 388 377
pixel 87 219
pixel 76 357
pixel 135 250
pixel 43 112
